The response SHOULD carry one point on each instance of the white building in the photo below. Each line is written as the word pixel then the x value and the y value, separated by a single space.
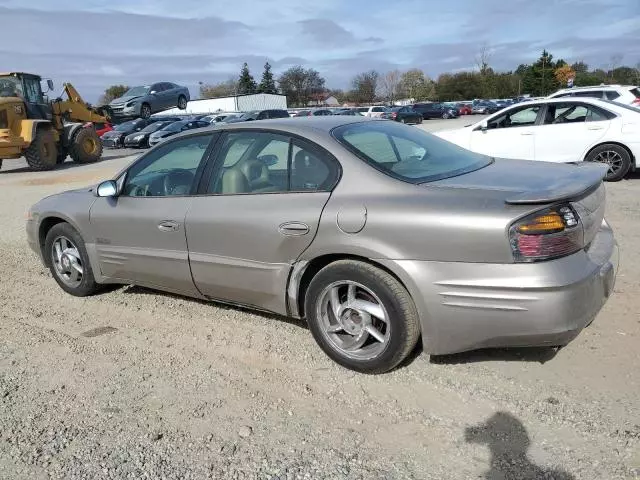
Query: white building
pixel 238 103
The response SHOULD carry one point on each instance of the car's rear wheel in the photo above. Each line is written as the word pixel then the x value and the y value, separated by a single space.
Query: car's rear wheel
pixel 403 120
pixel 182 102
pixel 445 115
pixel 361 316
pixel 615 156
pixel 145 111
pixel 67 257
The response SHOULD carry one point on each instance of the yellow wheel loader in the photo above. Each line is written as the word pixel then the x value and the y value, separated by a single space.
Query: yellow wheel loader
pixel 45 131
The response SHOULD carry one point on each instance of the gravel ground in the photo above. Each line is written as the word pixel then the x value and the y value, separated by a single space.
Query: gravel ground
pixel 138 384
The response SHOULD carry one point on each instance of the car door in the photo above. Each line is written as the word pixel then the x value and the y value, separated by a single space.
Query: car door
pixel 508 134
pixel 169 95
pixel 568 129
pixel 140 233
pixel 259 210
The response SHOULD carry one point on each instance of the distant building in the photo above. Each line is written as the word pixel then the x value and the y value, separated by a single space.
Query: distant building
pixel 237 103
pixel 323 100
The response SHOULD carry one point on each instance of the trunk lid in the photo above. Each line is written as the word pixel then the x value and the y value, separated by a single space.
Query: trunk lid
pixel 531 182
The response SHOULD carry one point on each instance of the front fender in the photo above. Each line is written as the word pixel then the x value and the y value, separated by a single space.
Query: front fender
pixel 29 127
pixel 70 129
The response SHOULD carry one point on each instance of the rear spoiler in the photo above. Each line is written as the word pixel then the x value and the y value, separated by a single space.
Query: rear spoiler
pixel 587 177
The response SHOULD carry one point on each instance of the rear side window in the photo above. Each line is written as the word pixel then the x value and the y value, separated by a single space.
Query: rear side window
pixel 278 114
pixel 591 94
pixel 611 94
pixel 378 109
pixel 408 154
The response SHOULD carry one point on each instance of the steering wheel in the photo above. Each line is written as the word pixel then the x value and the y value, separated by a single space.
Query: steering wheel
pixel 177 182
pixel 140 191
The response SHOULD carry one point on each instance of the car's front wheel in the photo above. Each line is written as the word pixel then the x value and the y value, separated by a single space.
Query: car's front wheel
pixel 361 316
pixel 68 260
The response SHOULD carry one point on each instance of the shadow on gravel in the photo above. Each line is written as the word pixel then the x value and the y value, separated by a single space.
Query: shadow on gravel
pixel 64 166
pixel 524 354
pixel 508 441
pixel 134 289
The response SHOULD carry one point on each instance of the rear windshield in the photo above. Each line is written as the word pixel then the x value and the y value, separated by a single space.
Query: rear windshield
pixel 407 153
pixel 174 127
pixel 635 92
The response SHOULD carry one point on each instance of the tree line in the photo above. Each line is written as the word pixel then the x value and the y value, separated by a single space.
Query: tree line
pixel 304 86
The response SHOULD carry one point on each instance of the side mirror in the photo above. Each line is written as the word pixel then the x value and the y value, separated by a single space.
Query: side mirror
pixel 50 83
pixel 107 188
pixel 483 126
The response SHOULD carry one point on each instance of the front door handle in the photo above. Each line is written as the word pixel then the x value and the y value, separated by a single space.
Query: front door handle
pixel 169 226
pixel 293 228
pixel 526 133
pixel 595 127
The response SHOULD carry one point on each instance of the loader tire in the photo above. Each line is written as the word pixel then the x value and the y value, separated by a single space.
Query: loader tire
pixel 42 153
pixel 86 146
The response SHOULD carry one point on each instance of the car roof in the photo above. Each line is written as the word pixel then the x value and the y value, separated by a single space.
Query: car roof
pixel 594 87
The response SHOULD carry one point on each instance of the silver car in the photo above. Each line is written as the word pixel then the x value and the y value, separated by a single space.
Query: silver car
pixel 374 232
pixel 145 100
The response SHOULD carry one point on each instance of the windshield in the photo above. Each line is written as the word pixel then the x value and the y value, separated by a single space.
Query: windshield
pixel 408 153
pixel 10 87
pixel 125 126
pixel 173 127
pixel 137 91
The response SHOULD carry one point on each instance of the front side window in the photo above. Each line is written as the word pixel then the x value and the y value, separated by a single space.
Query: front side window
pixel 518 117
pixel 261 162
pixel 408 154
pixel 32 93
pixel 168 171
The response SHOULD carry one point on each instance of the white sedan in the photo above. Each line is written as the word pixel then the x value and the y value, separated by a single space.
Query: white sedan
pixel 559 130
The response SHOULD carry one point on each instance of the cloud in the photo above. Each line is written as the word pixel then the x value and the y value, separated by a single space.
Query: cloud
pixel 326 32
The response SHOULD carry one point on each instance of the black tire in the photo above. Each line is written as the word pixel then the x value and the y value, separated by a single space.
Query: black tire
pixel 88 285
pixel 616 156
pixel 42 153
pixel 145 111
pixel 419 120
pixel 0 164
pixel 182 102
pixel 86 146
pixel 403 120
pixel 404 326
pixel 445 116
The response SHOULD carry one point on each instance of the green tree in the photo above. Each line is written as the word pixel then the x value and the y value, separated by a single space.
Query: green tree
pixel 111 93
pixel 246 83
pixel 299 85
pixel 414 84
pixel 222 89
pixel 364 86
pixel 268 83
pixel 538 79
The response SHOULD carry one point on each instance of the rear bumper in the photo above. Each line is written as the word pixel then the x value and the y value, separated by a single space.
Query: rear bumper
pixel 466 306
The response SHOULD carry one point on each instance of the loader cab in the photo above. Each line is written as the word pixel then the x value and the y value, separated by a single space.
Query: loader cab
pixel 28 88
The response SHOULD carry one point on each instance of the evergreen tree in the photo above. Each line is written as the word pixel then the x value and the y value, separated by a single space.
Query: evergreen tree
pixel 246 83
pixel 268 83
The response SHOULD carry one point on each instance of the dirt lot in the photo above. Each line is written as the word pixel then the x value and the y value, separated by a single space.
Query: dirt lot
pixel 137 384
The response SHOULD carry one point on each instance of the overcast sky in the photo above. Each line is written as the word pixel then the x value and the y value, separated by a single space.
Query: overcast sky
pixel 96 43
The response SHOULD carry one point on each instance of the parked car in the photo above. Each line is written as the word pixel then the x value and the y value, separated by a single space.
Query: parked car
pixel 376 233
pixel 217 118
pixel 115 138
pixel 145 100
pixel 260 115
pixel 625 94
pixel 484 108
pixel 350 112
pixel 318 112
pixel 559 130
pixel 175 128
pixel 375 111
pixel 402 115
pixel 435 110
pixel 140 139
pixel 102 128
pixel 464 109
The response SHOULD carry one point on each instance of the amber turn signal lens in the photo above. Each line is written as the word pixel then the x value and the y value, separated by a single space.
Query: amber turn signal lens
pixel 548 223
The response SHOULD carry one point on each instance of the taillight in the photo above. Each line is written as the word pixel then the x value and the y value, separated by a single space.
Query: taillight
pixel 551 233
pixel 394 115
pixel 636 101
pixel 4 120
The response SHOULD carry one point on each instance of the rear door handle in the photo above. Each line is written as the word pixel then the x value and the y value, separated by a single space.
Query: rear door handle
pixel 526 133
pixel 596 127
pixel 168 226
pixel 293 228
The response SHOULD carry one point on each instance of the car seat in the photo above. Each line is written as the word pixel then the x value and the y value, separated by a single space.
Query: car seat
pixel 309 173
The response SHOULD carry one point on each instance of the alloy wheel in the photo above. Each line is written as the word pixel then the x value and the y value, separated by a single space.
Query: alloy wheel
pixel 611 158
pixel 354 320
pixel 67 262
